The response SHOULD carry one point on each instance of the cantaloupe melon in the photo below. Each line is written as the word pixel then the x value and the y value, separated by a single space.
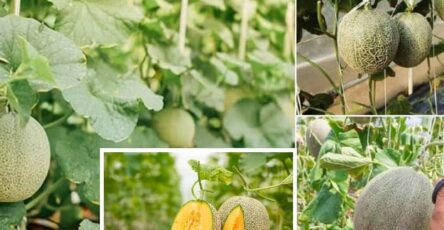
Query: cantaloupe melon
pixel 244 213
pixel 196 215
pixel 316 134
pixel 175 126
pixel 439 6
pixel 398 198
pixel 24 157
pixel 368 40
pixel 415 39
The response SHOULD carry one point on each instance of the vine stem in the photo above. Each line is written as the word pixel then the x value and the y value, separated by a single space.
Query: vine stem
pixel 183 25
pixel 244 30
pixel 44 194
pixel 57 122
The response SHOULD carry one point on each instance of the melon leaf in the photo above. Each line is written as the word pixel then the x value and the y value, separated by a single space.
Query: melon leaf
pixel 11 214
pixel 88 225
pixel 95 21
pixel 111 101
pixel 33 50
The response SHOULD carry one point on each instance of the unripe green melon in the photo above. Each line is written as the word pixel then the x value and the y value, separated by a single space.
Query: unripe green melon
pixel 415 39
pixel 399 198
pixel 254 214
pixel 316 134
pixel 368 40
pixel 24 158
pixel 439 6
pixel 175 126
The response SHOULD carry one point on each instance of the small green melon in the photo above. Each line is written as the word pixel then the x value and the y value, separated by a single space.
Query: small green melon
pixel 368 40
pixel 439 6
pixel 316 134
pixel 175 126
pixel 415 39
pixel 254 215
pixel 398 198
pixel 24 158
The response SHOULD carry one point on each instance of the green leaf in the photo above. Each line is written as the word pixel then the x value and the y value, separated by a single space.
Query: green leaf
pixel 77 154
pixel 259 125
pixel 211 173
pixel 335 161
pixel 203 138
pixel 325 207
pixel 229 76
pixel 389 157
pixel 11 214
pixel 253 161
pixel 34 66
pixel 88 225
pixel 43 51
pixel 169 58
pixel 196 88
pixel 111 101
pixel 22 98
pixel 89 22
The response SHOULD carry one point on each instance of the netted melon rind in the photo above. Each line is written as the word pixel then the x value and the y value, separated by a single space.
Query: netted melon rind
pixel 368 40
pixel 255 214
pixel 415 39
pixel 399 198
pixel 24 158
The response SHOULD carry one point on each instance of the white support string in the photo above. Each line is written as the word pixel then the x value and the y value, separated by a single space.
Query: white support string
pixel 183 25
pixel 17 7
pixel 410 82
pixel 244 30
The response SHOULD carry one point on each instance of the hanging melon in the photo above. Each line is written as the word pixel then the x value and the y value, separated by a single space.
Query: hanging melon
pixel 244 213
pixel 399 198
pixel 175 126
pixel 368 40
pixel 415 39
pixel 25 157
pixel 316 134
pixel 196 215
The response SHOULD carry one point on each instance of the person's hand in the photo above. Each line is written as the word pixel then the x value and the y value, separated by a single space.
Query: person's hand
pixel 438 212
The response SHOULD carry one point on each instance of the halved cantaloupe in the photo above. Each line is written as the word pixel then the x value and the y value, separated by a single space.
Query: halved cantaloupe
pixel 196 215
pixel 235 220
pixel 244 213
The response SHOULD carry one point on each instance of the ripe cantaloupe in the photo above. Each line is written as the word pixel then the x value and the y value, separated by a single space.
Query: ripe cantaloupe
pixel 398 198
pixel 196 215
pixel 316 134
pixel 175 126
pixel 244 213
pixel 24 158
pixel 368 40
pixel 415 39
pixel 439 6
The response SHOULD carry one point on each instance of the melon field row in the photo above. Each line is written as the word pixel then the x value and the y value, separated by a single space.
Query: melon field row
pixel 368 172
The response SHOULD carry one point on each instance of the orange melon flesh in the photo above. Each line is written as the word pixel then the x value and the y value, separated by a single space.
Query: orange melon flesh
pixel 235 220
pixel 194 215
